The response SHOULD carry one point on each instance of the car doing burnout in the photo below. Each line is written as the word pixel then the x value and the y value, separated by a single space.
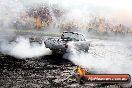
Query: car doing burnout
pixel 60 44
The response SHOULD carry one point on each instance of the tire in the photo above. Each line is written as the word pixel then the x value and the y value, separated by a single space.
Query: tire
pixel 86 49
pixel 81 80
pixel 54 52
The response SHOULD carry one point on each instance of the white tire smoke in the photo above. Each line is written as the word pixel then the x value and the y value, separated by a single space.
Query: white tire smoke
pixel 22 48
pixel 105 57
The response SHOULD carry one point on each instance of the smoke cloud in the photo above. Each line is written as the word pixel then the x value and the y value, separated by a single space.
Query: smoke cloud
pixel 109 9
pixel 22 48
pixel 104 57
pixel 19 47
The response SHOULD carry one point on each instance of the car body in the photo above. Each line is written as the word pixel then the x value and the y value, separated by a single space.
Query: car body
pixel 60 44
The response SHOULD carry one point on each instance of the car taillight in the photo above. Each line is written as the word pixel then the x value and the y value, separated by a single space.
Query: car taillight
pixel 66 46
